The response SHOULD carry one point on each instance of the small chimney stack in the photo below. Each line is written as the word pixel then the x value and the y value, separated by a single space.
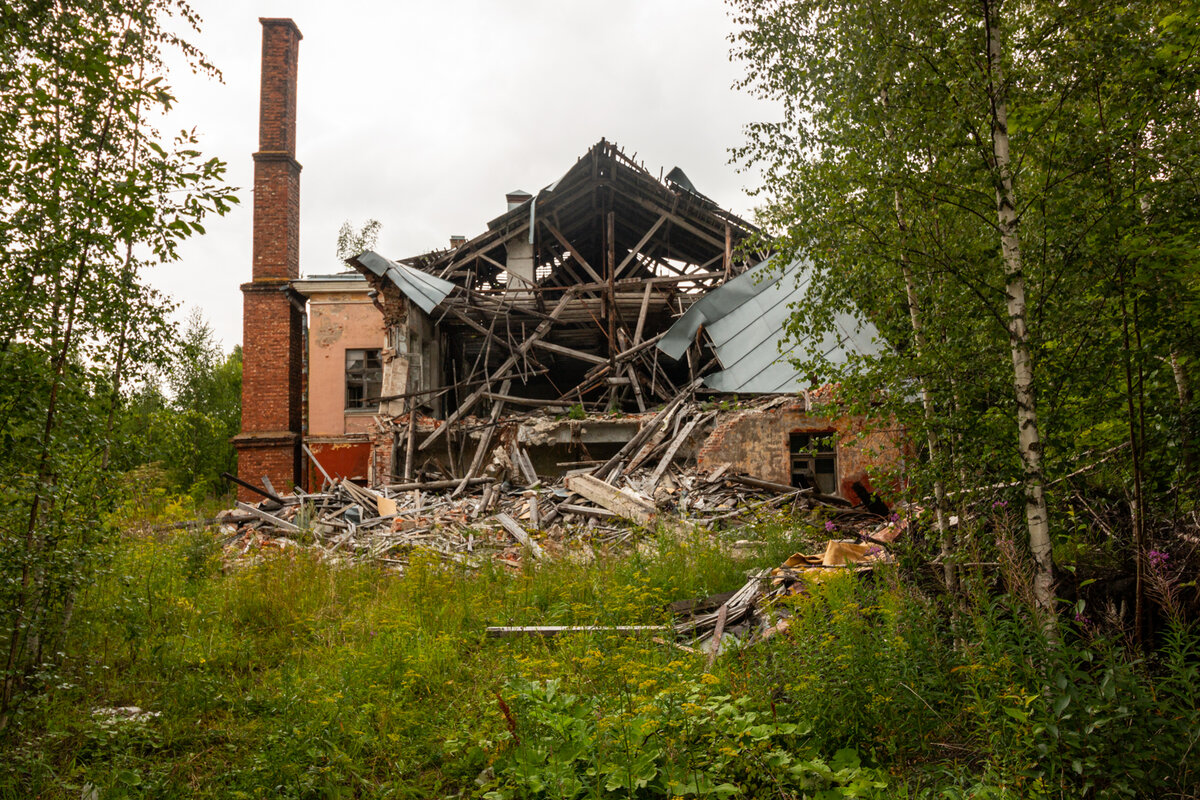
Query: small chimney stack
pixel 516 199
pixel 457 241
pixel 519 261
pixel 272 325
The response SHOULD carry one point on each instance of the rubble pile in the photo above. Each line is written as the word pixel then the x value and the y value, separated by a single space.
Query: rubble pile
pixel 508 519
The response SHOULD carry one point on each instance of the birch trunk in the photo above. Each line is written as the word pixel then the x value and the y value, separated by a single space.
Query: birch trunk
pixel 1029 441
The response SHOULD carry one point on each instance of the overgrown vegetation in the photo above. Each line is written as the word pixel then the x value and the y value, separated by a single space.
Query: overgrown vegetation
pixel 937 162
pixel 298 679
pixel 1006 190
pixel 91 195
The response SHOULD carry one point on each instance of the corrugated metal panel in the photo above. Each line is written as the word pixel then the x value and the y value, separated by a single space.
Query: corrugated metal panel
pixel 422 288
pixel 745 320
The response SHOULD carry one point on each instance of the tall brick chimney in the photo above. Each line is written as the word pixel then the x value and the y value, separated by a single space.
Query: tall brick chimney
pixel 272 325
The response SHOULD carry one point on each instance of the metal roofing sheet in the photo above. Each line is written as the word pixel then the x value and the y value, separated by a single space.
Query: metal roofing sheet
pixel 422 288
pixel 745 321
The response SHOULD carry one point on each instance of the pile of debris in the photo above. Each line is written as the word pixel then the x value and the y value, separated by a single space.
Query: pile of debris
pixel 509 512
pixel 752 612
pixel 508 520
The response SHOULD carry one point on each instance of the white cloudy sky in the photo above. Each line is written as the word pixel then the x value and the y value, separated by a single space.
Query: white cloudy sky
pixel 424 114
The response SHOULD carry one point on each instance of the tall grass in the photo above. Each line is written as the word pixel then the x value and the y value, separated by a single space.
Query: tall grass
pixel 298 679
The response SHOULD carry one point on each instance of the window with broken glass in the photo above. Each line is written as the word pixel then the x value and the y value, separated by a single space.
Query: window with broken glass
pixel 814 461
pixel 364 379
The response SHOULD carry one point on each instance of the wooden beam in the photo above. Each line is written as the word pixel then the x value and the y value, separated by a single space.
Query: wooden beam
pixel 527 401
pixel 520 534
pixel 485 440
pixel 474 248
pixel 668 456
pixel 714 649
pixel 586 511
pixel 645 433
pixel 615 500
pixel 255 489
pixel 569 352
pixel 432 485
pixel 271 518
pixel 574 253
pixel 681 222
pixel 502 370
pixel 555 630
pixel 641 323
pixel 642 243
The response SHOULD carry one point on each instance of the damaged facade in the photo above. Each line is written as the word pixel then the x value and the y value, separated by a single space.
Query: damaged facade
pixel 545 343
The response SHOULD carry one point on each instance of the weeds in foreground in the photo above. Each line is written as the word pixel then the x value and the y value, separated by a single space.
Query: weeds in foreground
pixel 297 679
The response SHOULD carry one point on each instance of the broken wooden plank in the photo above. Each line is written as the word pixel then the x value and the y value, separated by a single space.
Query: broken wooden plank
pixel 761 483
pixel 668 456
pixel 719 631
pixel 626 504
pixel 578 355
pixel 523 465
pixel 519 534
pixel 482 450
pixel 574 253
pixel 555 630
pixel 586 511
pixel 645 433
pixel 282 524
pixel 534 511
pixel 317 463
pixel 432 485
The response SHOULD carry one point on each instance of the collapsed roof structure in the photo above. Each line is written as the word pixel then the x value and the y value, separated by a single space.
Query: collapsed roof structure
pixel 566 293
pixel 542 344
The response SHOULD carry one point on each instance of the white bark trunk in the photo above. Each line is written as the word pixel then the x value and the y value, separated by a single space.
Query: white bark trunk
pixel 1029 441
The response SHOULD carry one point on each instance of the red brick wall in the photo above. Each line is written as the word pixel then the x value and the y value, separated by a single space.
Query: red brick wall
pixel 756 443
pixel 270 458
pixel 272 326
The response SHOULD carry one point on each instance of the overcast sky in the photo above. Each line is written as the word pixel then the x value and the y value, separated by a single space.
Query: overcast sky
pixel 424 114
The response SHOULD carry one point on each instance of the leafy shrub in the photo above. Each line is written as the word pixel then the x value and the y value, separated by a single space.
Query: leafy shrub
pixel 684 742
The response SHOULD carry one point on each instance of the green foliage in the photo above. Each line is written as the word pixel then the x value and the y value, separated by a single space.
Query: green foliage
pixel 682 741
pixel 295 678
pixel 189 432
pixel 982 707
pixel 352 242
pixel 881 171
pixel 296 674
pixel 91 196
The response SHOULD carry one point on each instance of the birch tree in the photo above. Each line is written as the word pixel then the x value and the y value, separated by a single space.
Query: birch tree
pixel 948 158
pixel 91 195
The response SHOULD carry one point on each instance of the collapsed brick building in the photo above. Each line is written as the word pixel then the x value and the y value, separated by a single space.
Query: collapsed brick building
pixel 562 326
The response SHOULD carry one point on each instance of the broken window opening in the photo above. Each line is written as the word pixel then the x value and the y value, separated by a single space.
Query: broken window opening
pixel 814 461
pixel 364 379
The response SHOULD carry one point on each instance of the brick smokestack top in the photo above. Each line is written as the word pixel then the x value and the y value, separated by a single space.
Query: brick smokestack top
pixel 277 115
pixel 276 173
pixel 272 324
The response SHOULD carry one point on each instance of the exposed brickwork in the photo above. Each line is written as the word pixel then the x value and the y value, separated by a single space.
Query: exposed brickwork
pixel 756 442
pixel 383 443
pixel 272 326
pixel 276 217
pixel 276 459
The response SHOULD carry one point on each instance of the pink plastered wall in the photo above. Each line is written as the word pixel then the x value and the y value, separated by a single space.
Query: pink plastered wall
pixel 337 322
